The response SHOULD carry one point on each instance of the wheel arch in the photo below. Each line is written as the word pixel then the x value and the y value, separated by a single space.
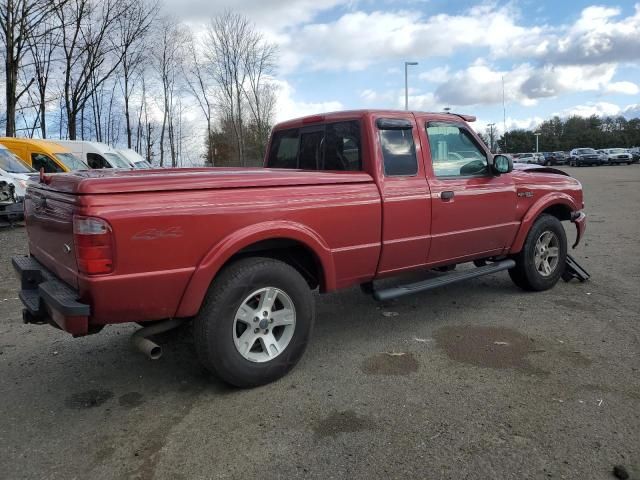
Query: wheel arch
pixel 292 243
pixel 559 205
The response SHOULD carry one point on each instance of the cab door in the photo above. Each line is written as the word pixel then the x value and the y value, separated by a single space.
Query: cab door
pixel 406 209
pixel 473 210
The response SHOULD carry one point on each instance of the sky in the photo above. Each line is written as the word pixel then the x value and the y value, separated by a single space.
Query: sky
pixel 554 57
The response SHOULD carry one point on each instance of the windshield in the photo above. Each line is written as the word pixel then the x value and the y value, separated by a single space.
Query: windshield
pixel 12 164
pixel 583 151
pixel 71 161
pixel 142 164
pixel 117 161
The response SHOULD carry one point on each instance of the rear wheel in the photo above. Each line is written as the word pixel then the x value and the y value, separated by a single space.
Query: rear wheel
pixel 255 323
pixel 542 260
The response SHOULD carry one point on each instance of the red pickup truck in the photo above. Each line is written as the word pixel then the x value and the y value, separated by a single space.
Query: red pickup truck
pixel 345 199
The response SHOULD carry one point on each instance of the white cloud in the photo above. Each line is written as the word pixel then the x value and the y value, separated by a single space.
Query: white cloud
pixel 626 88
pixel 288 107
pixel 593 108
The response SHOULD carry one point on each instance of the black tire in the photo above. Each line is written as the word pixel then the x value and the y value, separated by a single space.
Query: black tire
pixel 524 274
pixel 214 324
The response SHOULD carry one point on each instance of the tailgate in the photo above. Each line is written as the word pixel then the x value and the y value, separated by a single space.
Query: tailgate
pixel 49 219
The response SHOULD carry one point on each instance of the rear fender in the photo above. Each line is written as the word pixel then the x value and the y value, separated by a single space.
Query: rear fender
pixel 551 199
pixel 222 251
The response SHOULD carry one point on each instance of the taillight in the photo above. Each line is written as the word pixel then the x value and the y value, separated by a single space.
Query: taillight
pixel 94 245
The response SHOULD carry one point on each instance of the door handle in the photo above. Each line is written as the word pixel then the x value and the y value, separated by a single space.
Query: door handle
pixel 447 195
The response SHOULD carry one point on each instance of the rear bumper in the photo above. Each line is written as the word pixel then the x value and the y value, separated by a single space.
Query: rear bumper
pixel 49 300
pixel 12 211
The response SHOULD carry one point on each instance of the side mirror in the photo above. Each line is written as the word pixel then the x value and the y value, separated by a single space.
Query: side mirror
pixel 501 164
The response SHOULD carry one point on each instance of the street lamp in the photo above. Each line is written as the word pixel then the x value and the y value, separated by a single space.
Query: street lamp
pixel 537 134
pixel 406 84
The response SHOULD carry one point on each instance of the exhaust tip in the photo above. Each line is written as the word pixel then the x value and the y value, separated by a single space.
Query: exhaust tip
pixel 155 353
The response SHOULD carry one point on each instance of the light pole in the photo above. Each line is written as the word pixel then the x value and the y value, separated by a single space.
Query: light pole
pixel 491 125
pixel 537 134
pixel 406 83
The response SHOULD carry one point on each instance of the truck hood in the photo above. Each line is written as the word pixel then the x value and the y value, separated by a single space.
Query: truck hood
pixel 536 176
pixel 150 180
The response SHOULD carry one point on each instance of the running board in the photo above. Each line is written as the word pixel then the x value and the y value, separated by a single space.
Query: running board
pixel 574 270
pixel 441 281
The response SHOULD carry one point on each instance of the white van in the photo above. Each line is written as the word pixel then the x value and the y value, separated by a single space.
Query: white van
pixel 134 158
pixel 13 171
pixel 95 154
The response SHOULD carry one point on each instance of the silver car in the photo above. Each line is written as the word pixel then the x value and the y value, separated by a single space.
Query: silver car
pixel 617 156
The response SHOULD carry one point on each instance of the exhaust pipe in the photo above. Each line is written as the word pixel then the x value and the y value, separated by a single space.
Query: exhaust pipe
pixel 151 349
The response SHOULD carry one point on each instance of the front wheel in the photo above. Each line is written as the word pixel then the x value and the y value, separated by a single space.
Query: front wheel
pixel 255 323
pixel 542 260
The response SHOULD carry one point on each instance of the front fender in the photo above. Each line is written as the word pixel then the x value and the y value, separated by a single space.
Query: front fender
pixel 551 199
pixel 223 250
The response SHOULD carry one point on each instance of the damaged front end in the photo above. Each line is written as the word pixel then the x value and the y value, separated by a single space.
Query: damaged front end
pixel 11 207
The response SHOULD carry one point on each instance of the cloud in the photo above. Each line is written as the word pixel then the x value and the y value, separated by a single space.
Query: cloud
pixel 288 107
pixel 481 84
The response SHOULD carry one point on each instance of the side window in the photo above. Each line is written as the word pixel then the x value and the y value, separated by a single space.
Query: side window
pixel 284 149
pixel 40 160
pixel 96 161
pixel 454 152
pixel 398 151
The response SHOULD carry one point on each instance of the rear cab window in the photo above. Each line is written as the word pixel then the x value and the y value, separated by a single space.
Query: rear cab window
pixel 333 146
pixel 398 147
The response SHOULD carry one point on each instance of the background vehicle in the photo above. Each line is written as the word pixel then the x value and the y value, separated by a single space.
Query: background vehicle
pixel 603 157
pixel 95 154
pixel 617 156
pixel 45 154
pixel 239 250
pixel 635 152
pixel 13 171
pixel 584 156
pixel 134 158
pixel 558 158
pixel 524 158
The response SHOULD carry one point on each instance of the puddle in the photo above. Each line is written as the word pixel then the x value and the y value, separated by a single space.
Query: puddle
pixel 385 364
pixel 341 422
pixel 490 347
pixel 131 399
pixel 88 399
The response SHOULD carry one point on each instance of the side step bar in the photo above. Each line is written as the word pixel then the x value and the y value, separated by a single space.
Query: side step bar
pixel 441 281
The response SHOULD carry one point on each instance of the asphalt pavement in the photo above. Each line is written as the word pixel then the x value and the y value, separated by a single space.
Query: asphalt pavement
pixel 474 381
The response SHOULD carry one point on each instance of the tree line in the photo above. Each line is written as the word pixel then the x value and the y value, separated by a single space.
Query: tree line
pixel 559 134
pixel 119 72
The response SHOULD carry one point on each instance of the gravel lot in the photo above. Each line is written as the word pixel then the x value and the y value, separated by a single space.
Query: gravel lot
pixel 490 383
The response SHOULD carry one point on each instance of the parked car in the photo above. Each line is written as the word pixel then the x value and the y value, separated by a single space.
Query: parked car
pixel 604 159
pixel 617 156
pixel 238 251
pixel 13 171
pixel 584 156
pixel 95 154
pixel 554 158
pixel 525 158
pixel 44 154
pixel 134 158
pixel 635 153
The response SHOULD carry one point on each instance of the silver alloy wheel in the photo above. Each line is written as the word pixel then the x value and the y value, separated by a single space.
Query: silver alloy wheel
pixel 264 324
pixel 547 253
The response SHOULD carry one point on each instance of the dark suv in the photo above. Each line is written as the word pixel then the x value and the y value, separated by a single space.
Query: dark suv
pixel 554 158
pixel 584 156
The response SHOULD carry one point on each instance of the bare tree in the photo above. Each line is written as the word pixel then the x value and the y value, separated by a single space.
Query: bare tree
pixel 90 58
pixel 168 58
pixel 19 19
pixel 198 78
pixel 133 27
pixel 42 47
pixel 242 62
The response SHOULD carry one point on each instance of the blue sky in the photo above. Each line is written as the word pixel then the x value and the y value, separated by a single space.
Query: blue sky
pixel 556 57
